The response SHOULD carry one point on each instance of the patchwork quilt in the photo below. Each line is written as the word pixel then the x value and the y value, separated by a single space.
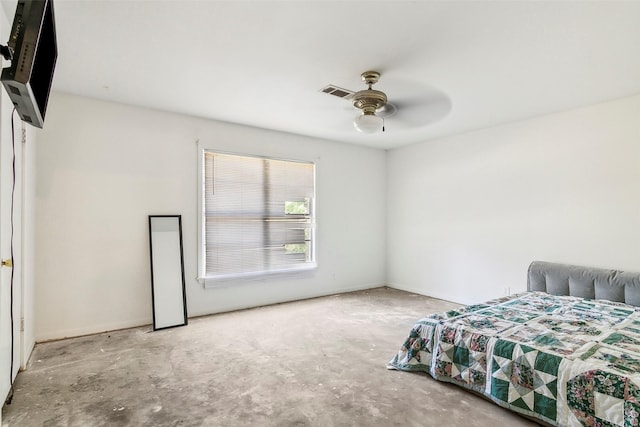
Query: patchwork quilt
pixel 565 360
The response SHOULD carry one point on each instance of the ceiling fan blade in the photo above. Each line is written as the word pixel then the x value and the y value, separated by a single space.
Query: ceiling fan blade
pixel 390 109
pixel 422 111
pixel 418 104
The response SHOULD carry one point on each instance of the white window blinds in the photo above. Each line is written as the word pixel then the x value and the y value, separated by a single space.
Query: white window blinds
pixel 258 215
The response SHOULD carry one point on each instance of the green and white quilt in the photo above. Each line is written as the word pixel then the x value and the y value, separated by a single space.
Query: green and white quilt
pixel 565 360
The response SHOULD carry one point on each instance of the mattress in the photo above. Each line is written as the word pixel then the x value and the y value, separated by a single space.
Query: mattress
pixel 565 360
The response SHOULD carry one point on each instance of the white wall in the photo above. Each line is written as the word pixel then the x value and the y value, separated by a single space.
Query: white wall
pixel 467 214
pixel 464 215
pixel 102 168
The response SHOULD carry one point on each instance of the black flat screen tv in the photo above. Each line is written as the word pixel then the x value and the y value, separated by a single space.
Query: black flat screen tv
pixel 35 51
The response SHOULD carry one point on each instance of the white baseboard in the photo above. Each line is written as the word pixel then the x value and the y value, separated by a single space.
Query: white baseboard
pixel 422 292
pixel 90 330
pixel 108 327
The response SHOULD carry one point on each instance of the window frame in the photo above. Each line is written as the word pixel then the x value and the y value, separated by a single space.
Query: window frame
pixel 233 279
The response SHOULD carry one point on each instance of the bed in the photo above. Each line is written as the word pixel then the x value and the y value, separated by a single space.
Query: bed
pixel 565 353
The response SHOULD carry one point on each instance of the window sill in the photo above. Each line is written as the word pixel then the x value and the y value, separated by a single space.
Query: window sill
pixel 227 280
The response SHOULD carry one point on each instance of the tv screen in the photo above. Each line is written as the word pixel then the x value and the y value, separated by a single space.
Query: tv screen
pixel 35 51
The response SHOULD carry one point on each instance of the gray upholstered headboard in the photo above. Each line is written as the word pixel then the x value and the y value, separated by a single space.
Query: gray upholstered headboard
pixel 585 282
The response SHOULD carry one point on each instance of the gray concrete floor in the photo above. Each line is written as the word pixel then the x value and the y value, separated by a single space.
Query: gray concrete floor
pixel 318 362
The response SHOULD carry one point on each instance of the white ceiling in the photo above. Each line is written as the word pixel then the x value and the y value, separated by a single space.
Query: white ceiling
pixel 263 63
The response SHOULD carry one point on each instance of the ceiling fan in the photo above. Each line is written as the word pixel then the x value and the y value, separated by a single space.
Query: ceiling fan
pixel 418 105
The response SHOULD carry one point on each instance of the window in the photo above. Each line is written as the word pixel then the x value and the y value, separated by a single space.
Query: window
pixel 257 216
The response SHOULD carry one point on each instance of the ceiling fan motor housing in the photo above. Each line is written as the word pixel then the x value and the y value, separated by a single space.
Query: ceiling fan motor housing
pixel 369 100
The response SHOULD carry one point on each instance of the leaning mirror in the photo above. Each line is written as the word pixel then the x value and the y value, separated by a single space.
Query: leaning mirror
pixel 167 271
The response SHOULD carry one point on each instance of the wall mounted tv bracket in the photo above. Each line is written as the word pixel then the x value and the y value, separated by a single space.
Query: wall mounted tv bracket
pixel 6 52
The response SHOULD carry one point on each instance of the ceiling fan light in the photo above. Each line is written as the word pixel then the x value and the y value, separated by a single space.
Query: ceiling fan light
pixel 368 123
